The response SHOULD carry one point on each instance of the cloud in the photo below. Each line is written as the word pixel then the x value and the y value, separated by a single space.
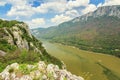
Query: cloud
pixel 111 2
pixel 34 23
pixel 55 0
pixel 20 8
pixel 77 3
pixel 60 18
pixel 61 10
pixel 2 3
pixel 89 8
pixel 23 8
pixel 72 13
pixel 20 11
pixel 57 7
pixel 100 5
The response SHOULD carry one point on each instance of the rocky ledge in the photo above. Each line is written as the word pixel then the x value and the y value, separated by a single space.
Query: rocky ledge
pixel 38 71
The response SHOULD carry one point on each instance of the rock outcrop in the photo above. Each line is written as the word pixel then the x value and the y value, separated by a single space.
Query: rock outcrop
pixel 17 44
pixel 101 11
pixel 39 71
pixel 2 53
pixel 20 36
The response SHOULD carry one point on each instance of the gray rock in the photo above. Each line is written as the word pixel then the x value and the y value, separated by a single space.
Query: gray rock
pixel 2 53
pixel 101 11
pixel 39 71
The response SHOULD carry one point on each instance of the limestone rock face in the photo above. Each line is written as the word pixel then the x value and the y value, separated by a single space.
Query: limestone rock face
pixel 101 11
pixel 39 71
pixel 20 35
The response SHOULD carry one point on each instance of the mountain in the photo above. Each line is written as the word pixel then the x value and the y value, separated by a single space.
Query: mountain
pixel 20 53
pixel 16 41
pixel 97 31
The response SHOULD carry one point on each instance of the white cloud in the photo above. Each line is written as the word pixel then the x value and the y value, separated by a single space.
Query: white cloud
pixel 20 8
pixel 99 5
pixel 62 10
pixel 20 11
pixel 60 18
pixel 34 23
pixel 55 0
pixel 60 6
pixel 112 2
pixel 72 13
pixel 89 8
pixel 2 3
pixel 77 3
pixel 23 8
pixel 56 7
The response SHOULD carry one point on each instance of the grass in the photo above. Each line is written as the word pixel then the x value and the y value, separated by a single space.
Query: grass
pixel 28 57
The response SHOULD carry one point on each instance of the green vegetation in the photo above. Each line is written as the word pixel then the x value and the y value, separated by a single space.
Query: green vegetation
pixel 5 23
pixel 101 34
pixel 4 46
pixel 11 70
pixel 109 73
pixel 25 70
pixel 50 59
pixel 18 54
pixel 84 63
pixel 27 57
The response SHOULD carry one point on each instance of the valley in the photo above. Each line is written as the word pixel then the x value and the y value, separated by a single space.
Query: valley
pixel 89 65
pixel 89 45
pixel 59 40
pixel 97 31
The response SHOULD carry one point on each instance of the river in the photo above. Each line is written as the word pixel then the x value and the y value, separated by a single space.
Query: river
pixel 90 65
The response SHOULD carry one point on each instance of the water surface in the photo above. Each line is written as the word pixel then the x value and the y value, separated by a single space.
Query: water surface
pixel 90 65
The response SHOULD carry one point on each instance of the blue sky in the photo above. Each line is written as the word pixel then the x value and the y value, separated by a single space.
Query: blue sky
pixel 46 13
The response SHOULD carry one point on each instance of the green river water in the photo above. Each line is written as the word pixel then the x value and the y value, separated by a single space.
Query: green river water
pixel 89 65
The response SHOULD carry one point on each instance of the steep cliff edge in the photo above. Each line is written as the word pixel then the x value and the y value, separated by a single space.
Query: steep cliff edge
pixel 38 71
pixel 103 11
pixel 17 45
pixel 18 35
pixel 16 42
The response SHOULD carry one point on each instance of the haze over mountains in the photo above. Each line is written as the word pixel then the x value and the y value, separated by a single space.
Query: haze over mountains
pixel 97 31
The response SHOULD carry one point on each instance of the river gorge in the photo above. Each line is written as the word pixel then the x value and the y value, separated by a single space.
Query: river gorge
pixel 90 65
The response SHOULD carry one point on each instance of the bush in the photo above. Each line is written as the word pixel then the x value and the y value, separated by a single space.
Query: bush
pixel 27 57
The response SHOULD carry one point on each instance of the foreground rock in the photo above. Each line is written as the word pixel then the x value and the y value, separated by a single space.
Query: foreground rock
pixel 38 71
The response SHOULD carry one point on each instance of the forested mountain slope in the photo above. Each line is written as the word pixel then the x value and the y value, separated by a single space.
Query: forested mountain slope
pixel 97 31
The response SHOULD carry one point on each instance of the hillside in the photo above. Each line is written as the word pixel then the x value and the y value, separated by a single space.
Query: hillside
pixel 17 45
pixel 17 42
pixel 38 71
pixel 98 31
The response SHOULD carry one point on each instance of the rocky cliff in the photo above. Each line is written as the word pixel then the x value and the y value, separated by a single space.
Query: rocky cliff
pixel 39 71
pixel 102 11
pixel 19 36
pixel 19 47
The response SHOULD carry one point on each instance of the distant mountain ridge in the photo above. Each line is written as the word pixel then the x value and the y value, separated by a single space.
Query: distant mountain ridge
pixel 102 11
pixel 97 31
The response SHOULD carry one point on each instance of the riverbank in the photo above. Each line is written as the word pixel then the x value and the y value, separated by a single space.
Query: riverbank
pixel 84 63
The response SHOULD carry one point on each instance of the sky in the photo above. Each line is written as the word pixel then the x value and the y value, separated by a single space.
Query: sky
pixel 46 13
